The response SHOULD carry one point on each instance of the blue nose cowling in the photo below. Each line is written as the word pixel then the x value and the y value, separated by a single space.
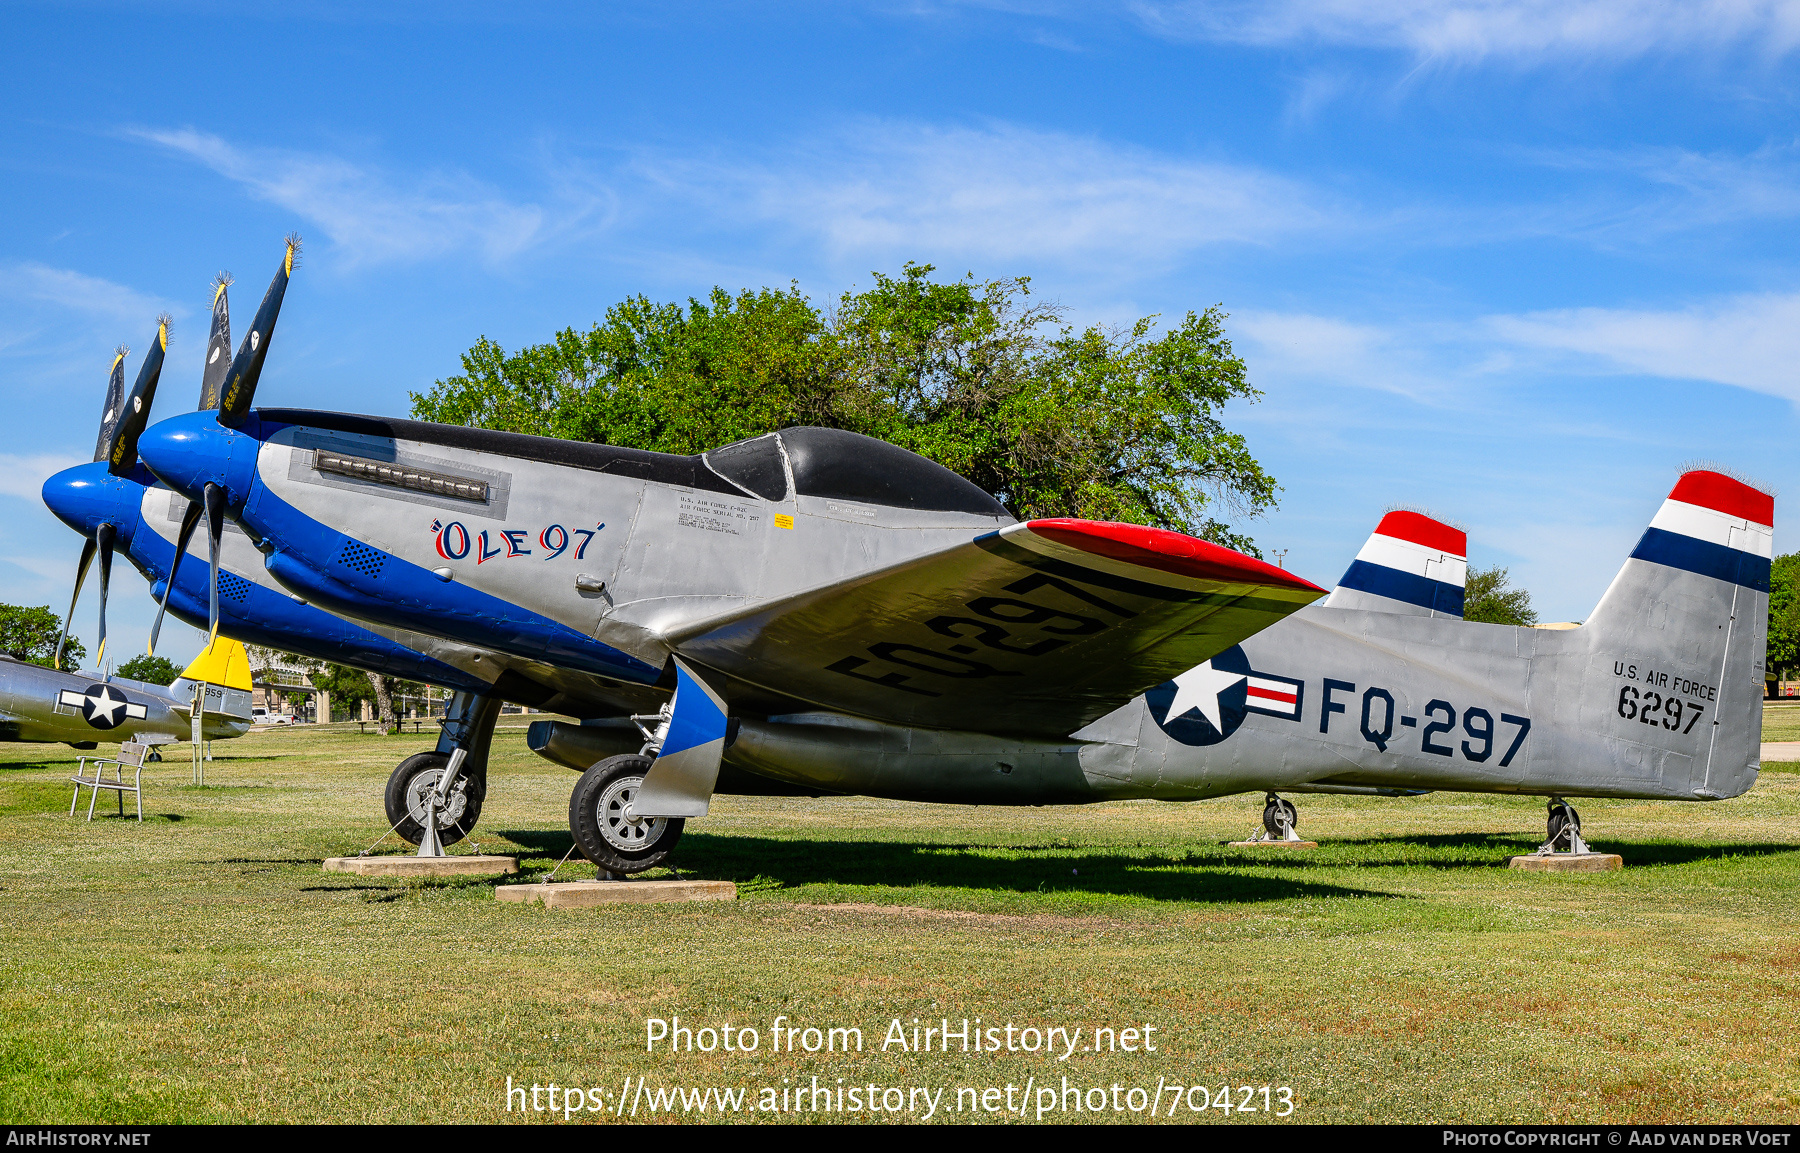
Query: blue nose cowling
pixel 87 496
pixel 190 451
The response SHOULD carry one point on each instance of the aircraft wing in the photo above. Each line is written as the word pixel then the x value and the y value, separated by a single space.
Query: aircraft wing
pixel 1040 627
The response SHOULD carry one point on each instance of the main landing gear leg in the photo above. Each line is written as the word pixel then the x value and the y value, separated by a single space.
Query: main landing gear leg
pixel 434 799
pixel 602 809
pixel 1278 820
pixel 1563 830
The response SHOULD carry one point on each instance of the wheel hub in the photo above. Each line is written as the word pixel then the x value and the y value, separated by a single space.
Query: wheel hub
pixel 417 804
pixel 619 823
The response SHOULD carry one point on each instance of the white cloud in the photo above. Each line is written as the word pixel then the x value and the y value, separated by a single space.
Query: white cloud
pixel 1002 192
pixel 24 476
pixel 373 220
pixel 76 291
pixel 1330 350
pixel 1676 190
pixel 1749 341
pixel 1474 30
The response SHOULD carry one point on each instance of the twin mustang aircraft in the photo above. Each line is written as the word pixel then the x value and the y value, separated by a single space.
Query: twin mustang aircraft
pixel 813 611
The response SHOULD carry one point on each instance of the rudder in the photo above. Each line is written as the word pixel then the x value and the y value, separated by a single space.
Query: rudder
pixel 1685 623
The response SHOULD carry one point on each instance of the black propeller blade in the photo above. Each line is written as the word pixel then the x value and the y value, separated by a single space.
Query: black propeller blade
pixel 189 520
pixel 212 388
pixel 215 528
pixel 218 347
pixel 115 402
pixel 81 570
pixel 122 452
pixel 246 367
pixel 103 537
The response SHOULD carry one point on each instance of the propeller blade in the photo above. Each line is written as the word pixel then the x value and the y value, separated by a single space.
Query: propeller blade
pixel 189 520
pixel 122 453
pixel 218 346
pixel 115 402
pixel 81 570
pixel 246 367
pixel 215 528
pixel 103 536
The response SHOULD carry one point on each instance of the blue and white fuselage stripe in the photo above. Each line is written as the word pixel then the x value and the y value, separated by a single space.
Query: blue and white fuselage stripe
pixel 1709 542
pixel 1412 573
pixel 261 616
pixel 310 558
pixel 86 496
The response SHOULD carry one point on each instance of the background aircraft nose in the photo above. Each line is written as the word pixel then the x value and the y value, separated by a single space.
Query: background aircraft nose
pixel 190 451
pixel 86 496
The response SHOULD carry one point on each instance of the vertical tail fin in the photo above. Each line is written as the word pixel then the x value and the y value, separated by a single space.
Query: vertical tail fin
pixel 224 668
pixel 1685 622
pixel 1412 565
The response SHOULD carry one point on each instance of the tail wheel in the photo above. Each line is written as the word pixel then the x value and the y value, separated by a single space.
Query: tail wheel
pixel 605 827
pixel 406 805
pixel 1562 821
pixel 1279 815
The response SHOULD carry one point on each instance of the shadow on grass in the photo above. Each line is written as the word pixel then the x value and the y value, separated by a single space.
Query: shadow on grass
pixel 1634 852
pixel 792 864
pixel 1682 853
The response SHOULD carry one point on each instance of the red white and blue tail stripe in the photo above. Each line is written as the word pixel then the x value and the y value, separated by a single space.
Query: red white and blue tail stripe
pixel 1715 526
pixel 1412 565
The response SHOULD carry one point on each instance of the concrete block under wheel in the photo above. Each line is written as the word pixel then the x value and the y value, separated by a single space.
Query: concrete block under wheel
pixel 587 894
pixel 1272 844
pixel 1568 862
pixel 468 865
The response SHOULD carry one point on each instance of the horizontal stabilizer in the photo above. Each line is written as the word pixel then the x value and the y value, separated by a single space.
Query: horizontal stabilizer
pixel 1038 628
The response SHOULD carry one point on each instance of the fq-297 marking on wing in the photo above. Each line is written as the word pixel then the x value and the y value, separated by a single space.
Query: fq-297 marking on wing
pixel 957 664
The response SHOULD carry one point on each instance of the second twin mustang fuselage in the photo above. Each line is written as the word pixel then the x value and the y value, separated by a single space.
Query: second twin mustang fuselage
pixel 452 532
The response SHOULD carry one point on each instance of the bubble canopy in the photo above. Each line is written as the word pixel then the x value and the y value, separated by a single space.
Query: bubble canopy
pixel 824 462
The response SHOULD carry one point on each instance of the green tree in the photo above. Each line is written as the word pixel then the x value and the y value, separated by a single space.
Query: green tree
pixel 980 376
pixel 346 685
pixel 151 670
pixel 1784 614
pixel 1103 423
pixel 651 376
pixel 1487 598
pixel 30 635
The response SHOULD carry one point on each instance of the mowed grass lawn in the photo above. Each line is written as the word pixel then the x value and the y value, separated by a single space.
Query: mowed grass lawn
pixel 201 967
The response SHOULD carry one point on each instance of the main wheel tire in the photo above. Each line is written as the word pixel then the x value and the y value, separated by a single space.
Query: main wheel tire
pixel 1562 817
pixel 405 799
pixel 601 821
pixel 1275 811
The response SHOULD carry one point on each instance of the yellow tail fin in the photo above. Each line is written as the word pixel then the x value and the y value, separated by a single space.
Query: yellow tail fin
pixel 223 662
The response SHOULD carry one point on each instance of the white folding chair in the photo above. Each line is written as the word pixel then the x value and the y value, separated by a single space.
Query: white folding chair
pixel 131 756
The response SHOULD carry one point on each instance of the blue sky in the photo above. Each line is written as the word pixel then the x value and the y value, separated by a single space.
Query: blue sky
pixel 1513 261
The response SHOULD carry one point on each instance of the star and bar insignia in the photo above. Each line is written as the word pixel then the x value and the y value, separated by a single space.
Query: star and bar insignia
pixel 103 706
